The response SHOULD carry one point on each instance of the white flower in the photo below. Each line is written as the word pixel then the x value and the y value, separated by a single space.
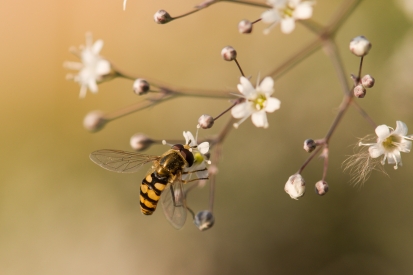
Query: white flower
pixel 390 143
pixel 295 186
pixel 93 67
pixel 257 102
pixel 286 12
pixel 200 160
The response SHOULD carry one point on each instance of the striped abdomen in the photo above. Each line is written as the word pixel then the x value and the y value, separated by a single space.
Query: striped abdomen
pixel 151 189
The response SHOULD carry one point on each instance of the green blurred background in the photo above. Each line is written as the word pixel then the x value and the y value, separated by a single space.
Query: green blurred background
pixel 62 214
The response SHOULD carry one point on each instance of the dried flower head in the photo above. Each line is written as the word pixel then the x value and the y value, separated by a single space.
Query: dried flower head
pixel 228 53
pixel 360 46
pixel 295 186
pixel 94 121
pixel 204 220
pixel 162 17
pixel 245 26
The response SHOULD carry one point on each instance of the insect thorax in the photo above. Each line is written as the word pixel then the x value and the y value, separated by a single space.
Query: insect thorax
pixel 170 164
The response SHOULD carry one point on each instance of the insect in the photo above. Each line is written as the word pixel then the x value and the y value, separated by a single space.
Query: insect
pixel 166 173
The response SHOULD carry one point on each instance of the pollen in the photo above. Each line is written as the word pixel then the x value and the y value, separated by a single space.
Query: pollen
pixel 260 102
pixel 198 158
pixel 391 142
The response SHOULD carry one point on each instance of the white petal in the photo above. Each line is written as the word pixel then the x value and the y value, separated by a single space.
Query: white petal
pixel 287 25
pixel 382 131
pixel 241 110
pixel 260 119
pixel 272 104
pixel 102 67
pixel 267 85
pixel 246 87
pixel 375 151
pixel 124 4
pixel 93 87
pixel 203 147
pixel 189 138
pixel 270 16
pixel 303 11
pixel 405 146
pixel 97 46
pixel 401 128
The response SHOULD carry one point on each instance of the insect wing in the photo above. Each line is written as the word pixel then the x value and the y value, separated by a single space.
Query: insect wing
pixel 121 161
pixel 174 204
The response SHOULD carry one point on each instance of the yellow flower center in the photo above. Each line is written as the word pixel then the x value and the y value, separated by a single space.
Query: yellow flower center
pixel 391 142
pixel 288 11
pixel 198 158
pixel 259 102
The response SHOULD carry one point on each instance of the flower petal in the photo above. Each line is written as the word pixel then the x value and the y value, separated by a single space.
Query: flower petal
pixel 375 151
pixel 287 25
pixel 189 138
pixel 260 119
pixel 241 110
pixel 382 131
pixel 202 174
pixel 270 16
pixel 267 85
pixel 303 11
pixel 203 148
pixel 97 46
pixel 272 104
pixel 245 87
pixel 401 128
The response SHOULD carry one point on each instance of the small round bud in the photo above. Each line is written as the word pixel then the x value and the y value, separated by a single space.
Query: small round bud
pixel 140 86
pixel 359 91
pixel 162 17
pixel 229 53
pixel 206 121
pixel 321 188
pixel 204 220
pixel 245 26
pixel 360 46
pixel 295 186
pixel 367 81
pixel 140 142
pixel 94 121
pixel 309 145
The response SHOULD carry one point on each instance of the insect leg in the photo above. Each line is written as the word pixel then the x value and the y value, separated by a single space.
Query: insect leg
pixel 190 172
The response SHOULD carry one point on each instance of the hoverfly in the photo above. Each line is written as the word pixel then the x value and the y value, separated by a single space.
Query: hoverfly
pixel 166 173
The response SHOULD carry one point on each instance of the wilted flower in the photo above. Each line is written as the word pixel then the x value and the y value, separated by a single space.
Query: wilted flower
pixel 286 12
pixel 200 160
pixel 258 102
pixel 360 46
pixel 390 143
pixel 204 220
pixel 295 186
pixel 93 68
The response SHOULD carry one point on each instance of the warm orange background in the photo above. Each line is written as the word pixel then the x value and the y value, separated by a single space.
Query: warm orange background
pixel 61 214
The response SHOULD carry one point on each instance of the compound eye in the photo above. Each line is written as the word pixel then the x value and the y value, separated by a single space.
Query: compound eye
pixel 189 157
pixel 178 147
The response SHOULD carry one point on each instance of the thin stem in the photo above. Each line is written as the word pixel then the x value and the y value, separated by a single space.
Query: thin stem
pixel 341 15
pixel 309 160
pixel 232 106
pixel 325 155
pixel 249 3
pixel 360 67
pixel 239 67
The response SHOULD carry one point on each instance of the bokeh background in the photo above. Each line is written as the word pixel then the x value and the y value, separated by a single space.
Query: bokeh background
pixel 62 214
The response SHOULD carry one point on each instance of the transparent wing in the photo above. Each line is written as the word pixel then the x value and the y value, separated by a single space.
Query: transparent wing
pixel 174 204
pixel 121 161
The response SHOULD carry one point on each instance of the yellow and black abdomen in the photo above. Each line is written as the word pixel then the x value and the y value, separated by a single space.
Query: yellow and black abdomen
pixel 151 189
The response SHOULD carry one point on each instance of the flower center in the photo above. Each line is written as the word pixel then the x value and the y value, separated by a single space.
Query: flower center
pixel 288 11
pixel 198 158
pixel 391 142
pixel 259 102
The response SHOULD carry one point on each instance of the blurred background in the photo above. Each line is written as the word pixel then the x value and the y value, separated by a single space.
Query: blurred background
pixel 62 214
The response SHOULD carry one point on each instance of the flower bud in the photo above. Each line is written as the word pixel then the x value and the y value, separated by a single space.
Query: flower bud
pixel 204 220
pixel 229 53
pixel 245 26
pixel 295 186
pixel 94 121
pixel 309 145
pixel 140 86
pixel 321 188
pixel 359 91
pixel 140 142
pixel 360 46
pixel 205 121
pixel 367 81
pixel 162 17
